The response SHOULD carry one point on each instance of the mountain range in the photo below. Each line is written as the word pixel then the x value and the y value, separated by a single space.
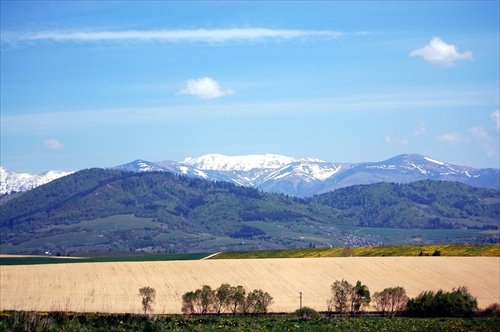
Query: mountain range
pixel 300 177
pixel 113 210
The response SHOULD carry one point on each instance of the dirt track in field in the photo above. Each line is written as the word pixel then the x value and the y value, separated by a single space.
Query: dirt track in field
pixel 114 287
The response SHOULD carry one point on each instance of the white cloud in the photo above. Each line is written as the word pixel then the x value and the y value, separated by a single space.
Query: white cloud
pixel 205 88
pixel 478 136
pixel 421 130
pixel 390 140
pixel 439 53
pixel 478 133
pixel 450 138
pixel 172 36
pixel 53 144
pixel 495 116
pixel 484 138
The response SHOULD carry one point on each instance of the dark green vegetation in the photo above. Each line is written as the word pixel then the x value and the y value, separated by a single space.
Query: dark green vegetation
pixel 60 321
pixel 457 303
pixel 104 259
pixel 103 210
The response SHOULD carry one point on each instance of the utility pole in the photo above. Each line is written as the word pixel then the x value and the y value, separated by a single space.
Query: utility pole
pixel 300 300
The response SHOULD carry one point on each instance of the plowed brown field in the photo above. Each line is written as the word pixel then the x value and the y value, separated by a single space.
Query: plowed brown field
pixel 114 287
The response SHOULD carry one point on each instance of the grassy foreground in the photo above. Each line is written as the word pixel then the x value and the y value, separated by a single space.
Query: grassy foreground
pixel 61 321
pixel 461 250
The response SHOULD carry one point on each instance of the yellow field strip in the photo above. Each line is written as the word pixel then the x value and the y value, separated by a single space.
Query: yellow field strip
pixel 114 287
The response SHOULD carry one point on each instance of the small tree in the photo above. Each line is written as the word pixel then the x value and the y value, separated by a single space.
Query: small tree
pixel 390 300
pixel 188 303
pixel 148 295
pixel 204 299
pixel 381 301
pixel 222 297
pixel 341 295
pixel 306 312
pixel 258 301
pixel 201 301
pixel 360 297
pixel 237 299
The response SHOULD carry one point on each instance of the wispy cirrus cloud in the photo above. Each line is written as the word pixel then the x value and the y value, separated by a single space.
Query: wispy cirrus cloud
pixel 451 138
pixel 171 36
pixel 397 141
pixel 421 130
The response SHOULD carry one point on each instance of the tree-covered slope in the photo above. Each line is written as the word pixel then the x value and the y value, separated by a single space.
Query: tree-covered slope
pixel 177 201
pixel 421 204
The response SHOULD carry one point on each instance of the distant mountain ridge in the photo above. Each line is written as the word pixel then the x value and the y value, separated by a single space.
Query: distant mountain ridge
pixel 304 177
pixel 301 177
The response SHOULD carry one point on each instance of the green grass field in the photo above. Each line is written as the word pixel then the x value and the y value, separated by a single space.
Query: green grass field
pixel 130 258
pixel 61 321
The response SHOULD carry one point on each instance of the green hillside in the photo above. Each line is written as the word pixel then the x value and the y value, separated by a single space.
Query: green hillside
pixel 106 210
pixel 421 204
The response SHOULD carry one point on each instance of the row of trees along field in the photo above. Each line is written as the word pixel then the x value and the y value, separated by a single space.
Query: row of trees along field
pixel 345 299
pixel 225 299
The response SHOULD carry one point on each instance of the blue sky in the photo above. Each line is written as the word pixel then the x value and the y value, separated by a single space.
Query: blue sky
pixel 98 84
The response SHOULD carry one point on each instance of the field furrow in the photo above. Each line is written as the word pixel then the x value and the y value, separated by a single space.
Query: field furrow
pixel 114 287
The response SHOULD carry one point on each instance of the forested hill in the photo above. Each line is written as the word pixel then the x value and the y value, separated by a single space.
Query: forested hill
pixel 178 201
pixel 420 204
pixel 195 206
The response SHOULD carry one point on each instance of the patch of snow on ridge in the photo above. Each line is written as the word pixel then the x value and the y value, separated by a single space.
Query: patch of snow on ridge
pixel 434 161
pixel 322 173
pixel 423 171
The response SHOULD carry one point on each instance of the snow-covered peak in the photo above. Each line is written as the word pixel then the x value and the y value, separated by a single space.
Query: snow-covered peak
pixel 241 163
pixel 11 181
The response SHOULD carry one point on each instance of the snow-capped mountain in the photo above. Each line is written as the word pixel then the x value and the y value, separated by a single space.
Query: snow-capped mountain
pixel 262 171
pixel 309 176
pixel 218 162
pixel 301 176
pixel 408 168
pixel 11 181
